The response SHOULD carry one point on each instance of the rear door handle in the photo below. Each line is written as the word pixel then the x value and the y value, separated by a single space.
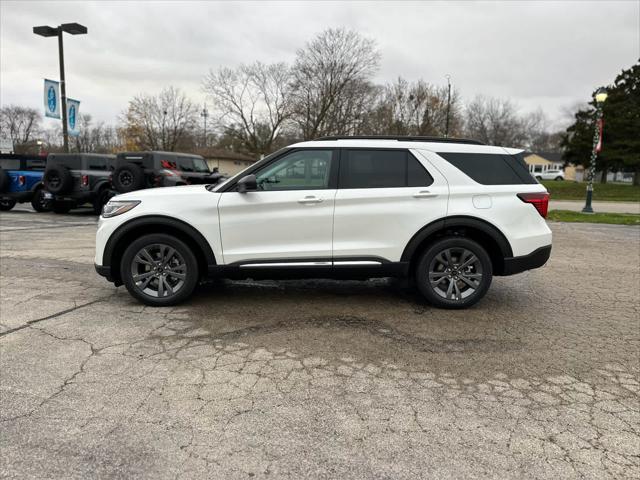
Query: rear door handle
pixel 310 199
pixel 424 194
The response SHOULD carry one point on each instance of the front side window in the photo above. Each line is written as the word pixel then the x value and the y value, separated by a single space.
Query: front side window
pixel 382 169
pixel 301 170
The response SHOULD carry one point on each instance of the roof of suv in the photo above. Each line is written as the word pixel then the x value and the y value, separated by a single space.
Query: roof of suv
pixel 158 152
pixel 424 143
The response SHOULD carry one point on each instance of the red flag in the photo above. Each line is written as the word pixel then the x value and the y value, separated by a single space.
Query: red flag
pixel 600 125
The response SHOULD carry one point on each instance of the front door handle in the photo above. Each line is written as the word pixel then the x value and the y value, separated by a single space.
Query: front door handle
pixel 310 199
pixel 425 194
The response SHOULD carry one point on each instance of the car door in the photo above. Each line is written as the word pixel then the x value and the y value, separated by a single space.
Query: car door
pixel 289 218
pixel 384 197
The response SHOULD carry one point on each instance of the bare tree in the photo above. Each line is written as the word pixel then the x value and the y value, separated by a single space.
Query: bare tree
pixel 495 121
pixel 404 108
pixel 253 103
pixel 159 122
pixel 329 74
pixel 99 138
pixel 20 124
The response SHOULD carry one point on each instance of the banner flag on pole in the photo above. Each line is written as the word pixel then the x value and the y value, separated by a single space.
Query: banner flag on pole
pixel 73 117
pixel 51 98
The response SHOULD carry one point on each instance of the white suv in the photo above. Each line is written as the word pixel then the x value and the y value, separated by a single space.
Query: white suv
pixel 447 213
pixel 550 175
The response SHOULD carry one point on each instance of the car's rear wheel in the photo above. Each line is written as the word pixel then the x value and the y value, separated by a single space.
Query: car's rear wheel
pixel 40 202
pixel 159 270
pixel 559 178
pixel 454 272
pixel 7 204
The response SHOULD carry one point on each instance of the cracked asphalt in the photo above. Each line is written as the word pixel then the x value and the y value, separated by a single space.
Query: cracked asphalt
pixel 317 379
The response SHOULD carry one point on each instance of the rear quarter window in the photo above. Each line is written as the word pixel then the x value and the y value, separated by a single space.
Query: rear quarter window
pixel 491 168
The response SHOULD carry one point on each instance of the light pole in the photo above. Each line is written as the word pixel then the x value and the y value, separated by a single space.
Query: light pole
pixel 446 129
pixel 601 97
pixel 46 31
pixel 204 114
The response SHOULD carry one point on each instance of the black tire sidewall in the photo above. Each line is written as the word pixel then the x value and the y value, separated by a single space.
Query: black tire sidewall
pixel 191 281
pixel 102 197
pixel 66 180
pixel 7 204
pixel 36 201
pixel 137 175
pixel 422 272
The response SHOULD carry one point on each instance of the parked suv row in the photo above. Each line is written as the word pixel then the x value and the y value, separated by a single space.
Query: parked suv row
pixel 449 214
pixel 62 181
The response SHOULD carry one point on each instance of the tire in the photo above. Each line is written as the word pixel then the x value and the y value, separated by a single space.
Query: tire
pixel 39 203
pixel 128 178
pixel 57 180
pixel 539 178
pixel 147 289
pixel 559 179
pixel 5 181
pixel 7 204
pixel 447 292
pixel 61 207
pixel 103 196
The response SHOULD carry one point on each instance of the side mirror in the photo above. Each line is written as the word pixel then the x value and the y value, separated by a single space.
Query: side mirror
pixel 246 184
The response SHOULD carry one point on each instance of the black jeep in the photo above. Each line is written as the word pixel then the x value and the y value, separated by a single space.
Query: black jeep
pixel 78 178
pixel 21 181
pixel 138 170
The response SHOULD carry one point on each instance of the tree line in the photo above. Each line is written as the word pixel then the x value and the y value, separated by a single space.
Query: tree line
pixel 328 90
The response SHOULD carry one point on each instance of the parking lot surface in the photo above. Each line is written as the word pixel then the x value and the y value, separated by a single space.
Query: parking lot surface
pixel 317 379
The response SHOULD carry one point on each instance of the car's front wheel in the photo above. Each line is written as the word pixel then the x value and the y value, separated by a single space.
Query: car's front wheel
pixel 454 272
pixel 159 270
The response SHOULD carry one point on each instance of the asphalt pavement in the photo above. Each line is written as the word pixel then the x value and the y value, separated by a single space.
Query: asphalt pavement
pixel 317 379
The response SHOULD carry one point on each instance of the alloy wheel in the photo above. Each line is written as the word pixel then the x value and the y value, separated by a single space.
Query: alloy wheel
pixel 159 270
pixel 455 273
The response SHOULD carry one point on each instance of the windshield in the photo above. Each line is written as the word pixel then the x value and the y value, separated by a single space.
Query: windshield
pixel 192 164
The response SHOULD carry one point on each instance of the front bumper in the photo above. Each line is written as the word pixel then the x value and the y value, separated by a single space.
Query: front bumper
pixel 535 259
pixel 105 271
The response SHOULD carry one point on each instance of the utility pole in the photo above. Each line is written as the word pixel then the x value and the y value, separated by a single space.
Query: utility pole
pixel 46 31
pixel 446 130
pixel 204 114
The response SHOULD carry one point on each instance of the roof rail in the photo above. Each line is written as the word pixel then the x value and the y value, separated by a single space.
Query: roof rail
pixel 399 138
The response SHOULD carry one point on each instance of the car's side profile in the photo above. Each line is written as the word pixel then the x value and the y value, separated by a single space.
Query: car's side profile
pixel 557 175
pixel 21 181
pixel 447 213
pixel 78 178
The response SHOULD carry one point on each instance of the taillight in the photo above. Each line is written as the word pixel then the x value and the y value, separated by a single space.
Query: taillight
pixel 85 180
pixel 21 180
pixel 538 200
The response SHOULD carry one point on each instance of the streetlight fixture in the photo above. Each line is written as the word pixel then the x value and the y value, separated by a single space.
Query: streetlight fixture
pixel 600 97
pixel 46 31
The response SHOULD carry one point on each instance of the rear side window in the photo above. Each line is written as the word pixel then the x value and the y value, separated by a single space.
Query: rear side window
pixel 96 163
pixel 381 169
pixel 490 168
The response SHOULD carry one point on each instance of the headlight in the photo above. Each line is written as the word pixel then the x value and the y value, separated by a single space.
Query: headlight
pixel 115 207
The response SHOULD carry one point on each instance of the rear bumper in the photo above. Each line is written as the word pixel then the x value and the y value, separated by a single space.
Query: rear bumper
pixel 535 259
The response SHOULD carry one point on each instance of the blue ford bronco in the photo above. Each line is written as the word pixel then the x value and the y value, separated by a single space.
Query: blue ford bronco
pixel 21 181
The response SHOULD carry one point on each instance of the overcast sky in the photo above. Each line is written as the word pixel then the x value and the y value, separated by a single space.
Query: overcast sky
pixel 544 54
